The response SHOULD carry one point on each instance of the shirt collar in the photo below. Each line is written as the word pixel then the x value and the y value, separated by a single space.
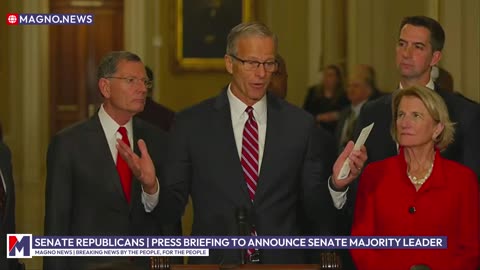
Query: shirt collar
pixel 110 127
pixel 238 108
pixel 356 109
pixel 430 85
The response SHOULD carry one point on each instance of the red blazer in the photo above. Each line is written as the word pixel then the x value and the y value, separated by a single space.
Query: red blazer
pixel 446 205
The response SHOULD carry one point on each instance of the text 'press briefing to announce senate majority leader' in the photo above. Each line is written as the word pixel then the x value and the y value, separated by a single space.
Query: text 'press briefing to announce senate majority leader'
pixel 28 246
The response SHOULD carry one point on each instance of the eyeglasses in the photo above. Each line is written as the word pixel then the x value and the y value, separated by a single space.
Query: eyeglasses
pixel 250 65
pixel 132 80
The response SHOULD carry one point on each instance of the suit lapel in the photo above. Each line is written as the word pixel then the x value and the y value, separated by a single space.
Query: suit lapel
pixel 8 189
pixel 272 140
pixel 138 133
pixel 225 136
pixel 100 149
pixel 391 147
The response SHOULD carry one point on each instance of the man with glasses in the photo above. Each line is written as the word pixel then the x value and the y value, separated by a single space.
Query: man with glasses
pixel 246 157
pixel 90 189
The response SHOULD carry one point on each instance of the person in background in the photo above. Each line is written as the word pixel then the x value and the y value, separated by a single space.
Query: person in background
pixel 7 207
pixel 324 101
pixel 279 81
pixel 155 113
pixel 90 189
pixel 328 223
pixel 265 172
pixel 360 89
pixel 369 73
pixel 418 192
pixel 419 48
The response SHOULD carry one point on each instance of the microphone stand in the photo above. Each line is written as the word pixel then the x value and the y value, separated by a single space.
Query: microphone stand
pixel 242 222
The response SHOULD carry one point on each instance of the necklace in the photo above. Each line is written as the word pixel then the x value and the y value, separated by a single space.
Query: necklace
pixel 420 181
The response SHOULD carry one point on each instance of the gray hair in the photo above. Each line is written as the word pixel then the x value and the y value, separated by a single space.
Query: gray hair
pixel 109 63
pixel 245 30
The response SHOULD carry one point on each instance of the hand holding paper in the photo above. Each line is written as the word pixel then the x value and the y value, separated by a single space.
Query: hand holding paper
pixel 350 162
pixel 358 144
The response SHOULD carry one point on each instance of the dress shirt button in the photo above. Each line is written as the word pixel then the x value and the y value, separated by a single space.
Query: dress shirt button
pixel 412 210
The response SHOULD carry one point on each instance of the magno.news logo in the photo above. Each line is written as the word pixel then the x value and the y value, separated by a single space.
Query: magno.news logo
pixel 12 18
pixel 48 19
pixel 19 245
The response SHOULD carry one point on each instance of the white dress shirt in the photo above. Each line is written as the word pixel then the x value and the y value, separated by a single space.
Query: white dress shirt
pixel 356 111
pixel 240 117
pixel 110 128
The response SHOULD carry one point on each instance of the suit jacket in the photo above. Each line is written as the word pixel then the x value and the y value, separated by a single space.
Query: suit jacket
pixel 157 114
pixel 7 224
pixel 446 205
pixel 84 195
pixel 342 118
pixel 204 163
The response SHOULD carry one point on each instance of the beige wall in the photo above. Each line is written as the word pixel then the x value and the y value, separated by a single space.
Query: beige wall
pixel 373 33
pixel 461 56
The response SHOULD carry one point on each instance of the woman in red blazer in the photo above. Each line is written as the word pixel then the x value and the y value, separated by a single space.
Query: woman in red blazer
pixel 419 193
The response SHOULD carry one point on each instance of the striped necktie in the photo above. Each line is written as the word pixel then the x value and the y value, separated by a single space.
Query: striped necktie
pixel 250 160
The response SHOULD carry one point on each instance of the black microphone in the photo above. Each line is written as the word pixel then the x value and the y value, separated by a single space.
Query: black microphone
pixel 242 223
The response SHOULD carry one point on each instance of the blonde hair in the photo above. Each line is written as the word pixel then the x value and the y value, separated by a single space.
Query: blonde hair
pixel 436 107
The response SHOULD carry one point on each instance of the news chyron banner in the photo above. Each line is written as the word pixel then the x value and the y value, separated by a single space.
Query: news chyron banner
pixel 46 18
pixel 28 246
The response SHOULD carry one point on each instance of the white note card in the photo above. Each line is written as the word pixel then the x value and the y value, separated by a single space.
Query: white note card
pixel 345 171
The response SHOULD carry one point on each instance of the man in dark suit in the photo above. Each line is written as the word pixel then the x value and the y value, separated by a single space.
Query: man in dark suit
pixel 279 81
pixel 90 189
pixel 7 206
pixel 419 48
pixel 155 113
pixel 361 88
pixel 226 146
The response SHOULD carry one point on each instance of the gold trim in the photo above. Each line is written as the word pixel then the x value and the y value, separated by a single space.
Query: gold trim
pixel 200 64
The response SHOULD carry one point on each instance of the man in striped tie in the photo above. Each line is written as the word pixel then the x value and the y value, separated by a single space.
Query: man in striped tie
pixel 246 149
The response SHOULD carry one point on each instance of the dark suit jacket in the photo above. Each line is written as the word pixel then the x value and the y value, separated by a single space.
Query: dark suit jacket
pixel 342 118
pixel 157 114
pixel 7 224
pixel 204 163
pixel 83 191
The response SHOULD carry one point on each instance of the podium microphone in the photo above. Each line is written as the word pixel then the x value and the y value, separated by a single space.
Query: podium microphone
pixel 242 222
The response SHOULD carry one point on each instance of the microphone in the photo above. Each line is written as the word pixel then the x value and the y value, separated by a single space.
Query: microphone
pixel 242 223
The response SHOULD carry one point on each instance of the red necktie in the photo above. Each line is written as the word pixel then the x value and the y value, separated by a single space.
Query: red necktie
pixel 122 167
pixel 249 160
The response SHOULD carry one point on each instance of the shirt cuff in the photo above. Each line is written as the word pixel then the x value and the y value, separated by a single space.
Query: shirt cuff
pixel 150 201
pixel 339 197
